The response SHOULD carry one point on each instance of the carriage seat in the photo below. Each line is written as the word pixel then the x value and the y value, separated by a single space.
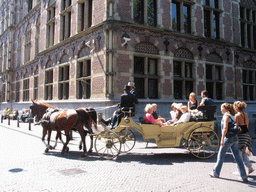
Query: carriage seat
pixel 208 113
pixel 126 109
pixel 142 120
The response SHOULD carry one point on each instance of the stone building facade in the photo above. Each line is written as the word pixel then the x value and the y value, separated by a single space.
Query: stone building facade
pixel 73 53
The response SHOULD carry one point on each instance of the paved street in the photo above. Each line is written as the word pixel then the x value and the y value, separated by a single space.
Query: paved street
pixel 25 167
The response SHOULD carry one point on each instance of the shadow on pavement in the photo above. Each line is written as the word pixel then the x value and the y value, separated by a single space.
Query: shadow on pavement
pixel 146 158
pixel 251 181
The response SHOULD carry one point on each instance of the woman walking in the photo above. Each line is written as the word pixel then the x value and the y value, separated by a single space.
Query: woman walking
pixel 228 143
pixel 244 137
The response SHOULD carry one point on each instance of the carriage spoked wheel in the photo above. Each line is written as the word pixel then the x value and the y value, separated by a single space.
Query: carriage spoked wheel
pixel 107 144
pixel 203 142
pixel 127 139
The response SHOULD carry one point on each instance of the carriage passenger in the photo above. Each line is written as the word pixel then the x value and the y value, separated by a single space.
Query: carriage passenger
pixel 175 113
pixel 185 117
pixel 155 115
pixel 149 118
pixel 206 101
pixel 193 103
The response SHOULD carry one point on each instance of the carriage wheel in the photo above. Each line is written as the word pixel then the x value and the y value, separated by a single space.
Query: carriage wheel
pixel 127 139
pixel 184 143
pixel 107 145
pixel 203 144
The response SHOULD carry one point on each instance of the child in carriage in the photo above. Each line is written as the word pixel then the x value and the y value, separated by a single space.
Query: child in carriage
pixel 185 117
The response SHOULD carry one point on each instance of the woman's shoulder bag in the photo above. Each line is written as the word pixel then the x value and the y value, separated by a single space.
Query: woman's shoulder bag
pixel 233 129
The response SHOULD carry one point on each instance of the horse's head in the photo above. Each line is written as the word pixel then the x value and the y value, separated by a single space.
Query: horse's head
pixel 38 109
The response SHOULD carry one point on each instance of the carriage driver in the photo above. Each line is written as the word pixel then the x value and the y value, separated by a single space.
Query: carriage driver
pixel 127 100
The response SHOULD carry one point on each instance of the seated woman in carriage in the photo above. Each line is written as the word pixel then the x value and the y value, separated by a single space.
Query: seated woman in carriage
pixel 176 112
pixel 185 117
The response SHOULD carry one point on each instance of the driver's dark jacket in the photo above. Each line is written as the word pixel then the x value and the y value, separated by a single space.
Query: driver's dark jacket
pixel 128 100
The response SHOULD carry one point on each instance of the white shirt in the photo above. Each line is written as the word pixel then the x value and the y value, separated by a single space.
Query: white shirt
pixel 185 117
pixel 173 115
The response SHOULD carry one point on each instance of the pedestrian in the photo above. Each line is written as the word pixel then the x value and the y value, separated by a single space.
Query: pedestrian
pixel 228 143
pixel 244 137
pixel 7 112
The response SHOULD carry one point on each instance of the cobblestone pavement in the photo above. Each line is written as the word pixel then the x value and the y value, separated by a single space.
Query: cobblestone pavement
pixel 25 167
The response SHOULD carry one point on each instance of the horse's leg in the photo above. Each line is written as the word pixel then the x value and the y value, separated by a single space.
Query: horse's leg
pixel 56 139
pixel 43 139
pixel 81 132
pixel 90 150
pixel 59 133
pixel 65 148
pixel 91 137
pixel 49 138
pixel 80 144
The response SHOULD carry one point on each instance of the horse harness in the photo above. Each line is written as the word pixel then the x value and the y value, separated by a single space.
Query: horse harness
pixel 49 112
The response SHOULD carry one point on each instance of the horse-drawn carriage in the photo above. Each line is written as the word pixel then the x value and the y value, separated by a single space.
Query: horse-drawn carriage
pixel 197 136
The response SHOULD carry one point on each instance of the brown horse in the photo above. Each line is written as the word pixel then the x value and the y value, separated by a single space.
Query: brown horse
pixel 88 116
pixel 56 119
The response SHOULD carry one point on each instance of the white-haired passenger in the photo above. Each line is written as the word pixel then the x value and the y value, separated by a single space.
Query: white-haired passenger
pixel 149 117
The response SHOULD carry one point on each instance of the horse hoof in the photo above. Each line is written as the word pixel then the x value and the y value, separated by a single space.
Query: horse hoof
pixel 50 147
pixel 80 147
pixel 90 151
pixel 67 149
pixel 46 150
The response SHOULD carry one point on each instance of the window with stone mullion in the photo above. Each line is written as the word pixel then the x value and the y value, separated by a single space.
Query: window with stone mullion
pixel 17 91
pixel 183 79
pixel 249 84
pixel 64 82
pixel 212 15
pixel 3 93
pixel 146 77
pixel 49 84
pixel 26 90
pixel 50 25
pixel 84 15
pixel 214 81
pixel 181 16
pixel 84 79
pixel 145 12
pixel 35 89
